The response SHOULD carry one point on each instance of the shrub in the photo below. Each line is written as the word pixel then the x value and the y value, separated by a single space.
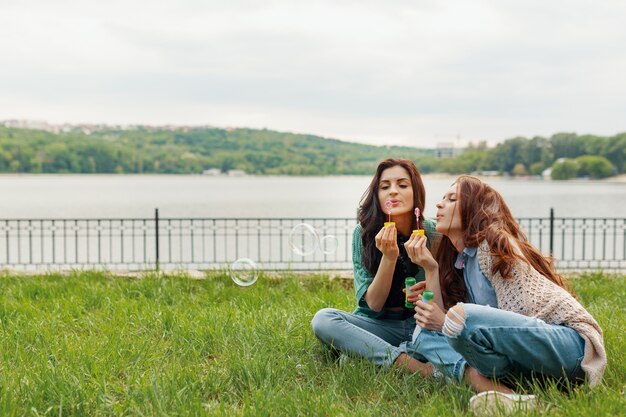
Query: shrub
pixel 594 166
pixel 564 169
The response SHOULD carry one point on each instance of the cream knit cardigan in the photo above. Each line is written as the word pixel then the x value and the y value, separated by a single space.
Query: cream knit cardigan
pixel 529 293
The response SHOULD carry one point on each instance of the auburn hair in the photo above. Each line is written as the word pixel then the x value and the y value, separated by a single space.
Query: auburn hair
pixel 485 216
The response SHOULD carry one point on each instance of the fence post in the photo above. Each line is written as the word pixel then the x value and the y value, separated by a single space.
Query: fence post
pixel 156 229
pixel 551 231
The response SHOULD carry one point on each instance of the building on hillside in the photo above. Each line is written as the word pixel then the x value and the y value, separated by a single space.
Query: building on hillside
pixel 212 171
pixel 236 173
pixel 446 150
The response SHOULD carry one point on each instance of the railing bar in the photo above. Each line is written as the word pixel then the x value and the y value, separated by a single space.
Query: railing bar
pixel 121 241
pixel 76 241
pixel 595 231
pixel 574 229
pixel 215 242
pixel 282 238
pixel 145 243
pixel 236 239
pixel 19 245
pixel 99 244
pixel 111 259
pixel 248 253
pixel 88 243
pixel 615 239
pixel 604 241
pixel 64 241
pixel 193 256
pixel 133 228
pixel 624 241
pixel 41 255
pixel 584 239
pixel 54 252
pixel 258 241
pixel 6 228
pixel 551 231
pixel 30 242
pixel 562 239
pixel 203 228
pixel 157 240
pixel 169 240
pixel 180 241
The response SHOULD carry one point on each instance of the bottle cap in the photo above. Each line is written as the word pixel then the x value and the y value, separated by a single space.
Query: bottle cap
pixel 427 296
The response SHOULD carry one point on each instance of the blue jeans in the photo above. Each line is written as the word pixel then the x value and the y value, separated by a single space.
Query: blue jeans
pixel 499 343
pixel 380 341
pixel 431 346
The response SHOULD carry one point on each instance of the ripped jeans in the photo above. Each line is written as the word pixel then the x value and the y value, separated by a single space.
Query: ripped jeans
pixel 499 343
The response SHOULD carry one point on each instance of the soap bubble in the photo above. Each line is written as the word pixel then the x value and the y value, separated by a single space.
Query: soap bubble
pixel 329 244
pixel 244 272
pixel 303 239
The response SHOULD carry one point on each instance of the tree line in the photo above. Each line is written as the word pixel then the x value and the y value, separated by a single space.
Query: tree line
pixel 566 155
pixel 266 152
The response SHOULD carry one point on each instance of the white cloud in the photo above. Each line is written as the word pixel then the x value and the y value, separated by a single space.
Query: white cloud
pixel 399 72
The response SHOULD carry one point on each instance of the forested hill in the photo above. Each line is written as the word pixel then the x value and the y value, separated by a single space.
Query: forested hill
pixel 266 152
pixel 192 150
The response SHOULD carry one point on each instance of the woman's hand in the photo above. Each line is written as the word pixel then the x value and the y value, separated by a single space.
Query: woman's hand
pixel 429 315
pixel 387 242
pixel 416 292
pixel 418 252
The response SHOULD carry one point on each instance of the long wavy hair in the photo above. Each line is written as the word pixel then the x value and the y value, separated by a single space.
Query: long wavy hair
pixel 485 216
pixel 371 216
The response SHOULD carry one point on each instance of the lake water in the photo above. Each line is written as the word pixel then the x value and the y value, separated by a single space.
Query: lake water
pixel 94 196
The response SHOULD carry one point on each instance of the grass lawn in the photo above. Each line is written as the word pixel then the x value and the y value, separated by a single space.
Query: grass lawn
pixel 94 344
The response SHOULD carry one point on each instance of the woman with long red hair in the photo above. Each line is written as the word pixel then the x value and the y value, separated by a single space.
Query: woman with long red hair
pixel 500 304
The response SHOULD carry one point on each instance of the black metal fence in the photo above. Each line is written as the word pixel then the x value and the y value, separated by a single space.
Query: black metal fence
pixel 205 243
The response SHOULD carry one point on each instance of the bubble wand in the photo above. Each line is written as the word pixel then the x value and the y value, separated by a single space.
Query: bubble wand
pixel 418 231
pixel 388 206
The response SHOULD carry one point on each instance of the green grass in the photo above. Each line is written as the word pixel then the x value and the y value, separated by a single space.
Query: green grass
pixel 98 345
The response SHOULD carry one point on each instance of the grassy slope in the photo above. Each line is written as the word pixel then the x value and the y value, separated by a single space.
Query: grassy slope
pixel 91 344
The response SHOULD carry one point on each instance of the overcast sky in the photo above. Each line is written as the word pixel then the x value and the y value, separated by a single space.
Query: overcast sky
pixel 383 72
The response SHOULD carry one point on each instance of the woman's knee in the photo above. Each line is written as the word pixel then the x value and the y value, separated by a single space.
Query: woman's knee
pixel 322 320
pixel 454 322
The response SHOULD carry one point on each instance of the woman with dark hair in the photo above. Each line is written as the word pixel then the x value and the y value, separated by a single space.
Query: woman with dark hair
pixel 381 324
pixel 502 307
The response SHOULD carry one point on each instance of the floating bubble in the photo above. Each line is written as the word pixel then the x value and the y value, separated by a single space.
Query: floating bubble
pixel 303 239
pixel 244 272
pixel 329 244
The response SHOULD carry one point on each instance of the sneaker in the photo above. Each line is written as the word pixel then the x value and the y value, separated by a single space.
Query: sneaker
pixel 489 403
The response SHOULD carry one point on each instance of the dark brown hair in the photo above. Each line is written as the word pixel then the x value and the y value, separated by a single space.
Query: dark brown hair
pixel 485 216
pixel 371 216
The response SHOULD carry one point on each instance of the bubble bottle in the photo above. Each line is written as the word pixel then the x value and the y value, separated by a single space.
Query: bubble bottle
pixel 408 283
